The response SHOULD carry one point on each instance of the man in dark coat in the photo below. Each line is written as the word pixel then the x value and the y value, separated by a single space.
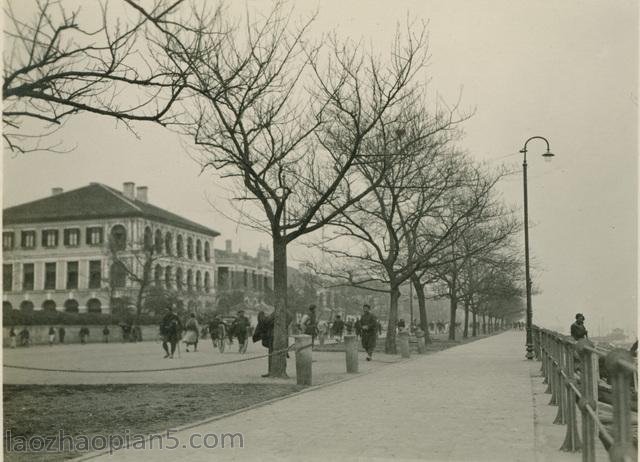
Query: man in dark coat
pixel 578 330
pixel 170 328
pixel 264 332
pixel 369 331
pixel 240 328
pixel 338 327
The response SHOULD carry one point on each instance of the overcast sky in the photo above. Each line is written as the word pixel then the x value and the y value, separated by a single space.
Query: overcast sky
pixel 564 70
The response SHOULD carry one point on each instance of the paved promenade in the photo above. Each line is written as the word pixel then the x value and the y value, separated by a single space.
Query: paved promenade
pixel 477 402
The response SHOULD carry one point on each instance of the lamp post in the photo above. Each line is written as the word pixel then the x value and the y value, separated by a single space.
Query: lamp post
pixel 547 155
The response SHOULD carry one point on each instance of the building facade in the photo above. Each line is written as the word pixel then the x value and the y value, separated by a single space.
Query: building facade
pixel 239 271
pixel 81 250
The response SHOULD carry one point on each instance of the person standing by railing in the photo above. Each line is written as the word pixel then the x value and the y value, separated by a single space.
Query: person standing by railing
pixel 578 330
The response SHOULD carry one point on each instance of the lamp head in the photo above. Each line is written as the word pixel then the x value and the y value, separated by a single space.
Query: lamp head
pixel 548 156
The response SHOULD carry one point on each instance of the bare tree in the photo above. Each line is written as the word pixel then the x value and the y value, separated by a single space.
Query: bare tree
pixel 285 120
pixel 372 237
pixel 56 65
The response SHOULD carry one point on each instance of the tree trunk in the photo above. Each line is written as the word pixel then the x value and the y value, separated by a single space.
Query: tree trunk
pixel 422 307
pixel 280 334
pixel 474 321
pixel 452 314
pixel 390 343
pixel 465 333
pixel 484 323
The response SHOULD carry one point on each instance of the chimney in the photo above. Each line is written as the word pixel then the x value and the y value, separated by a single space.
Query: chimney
pixel 142 193
pixel 227 245
pixel 56 191
pixel 128 189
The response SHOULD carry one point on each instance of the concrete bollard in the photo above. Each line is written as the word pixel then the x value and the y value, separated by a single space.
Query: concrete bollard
pixel 303 360
pixel 403 336
pixel 351 353
pixel 422 348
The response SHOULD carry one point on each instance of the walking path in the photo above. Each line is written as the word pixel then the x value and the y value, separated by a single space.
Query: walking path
pixel 475 402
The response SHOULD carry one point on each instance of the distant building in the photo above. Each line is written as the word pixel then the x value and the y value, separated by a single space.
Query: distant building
pixel 239 271
pixel 75 251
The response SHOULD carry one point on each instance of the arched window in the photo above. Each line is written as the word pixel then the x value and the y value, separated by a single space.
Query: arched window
pixel 157 242
pixel 26 306
pixel 190 248
pixel 118 274
pixel 71 306
pixel 179 278
pixel 94 306
pixel 168 276
pixel 168 244
pixel 198 250
pixel 157 275
pixel 198 281
pixel 207 282
pixel 118 237
pixel 189 280
pixel 207 252
pixel 180 246
pixel 148 238
pixel 49 305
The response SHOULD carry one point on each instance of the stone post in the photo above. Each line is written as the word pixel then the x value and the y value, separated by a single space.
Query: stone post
pixel 403 337
pixel 303 359
pixel 422 348
pixel 351 353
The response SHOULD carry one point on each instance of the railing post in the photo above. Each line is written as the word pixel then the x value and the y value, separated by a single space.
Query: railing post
pixel 403 337
pixel 572 438
pixel 536 342
pixel 589 380
pixel 561 392
pixel 543 368
pixel 621 380
pixel 351 353
pixel 303 359
pixel 553 375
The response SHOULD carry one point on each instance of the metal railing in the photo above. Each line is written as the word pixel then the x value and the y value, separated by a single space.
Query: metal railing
pixel 571 371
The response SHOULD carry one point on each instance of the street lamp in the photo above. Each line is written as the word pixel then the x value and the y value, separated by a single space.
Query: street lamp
pixel 547 156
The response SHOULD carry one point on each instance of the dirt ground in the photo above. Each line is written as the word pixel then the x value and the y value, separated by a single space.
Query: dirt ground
pixel 52 410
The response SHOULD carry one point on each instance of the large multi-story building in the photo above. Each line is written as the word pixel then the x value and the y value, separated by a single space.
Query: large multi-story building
pixel 78 251
pixel 239 271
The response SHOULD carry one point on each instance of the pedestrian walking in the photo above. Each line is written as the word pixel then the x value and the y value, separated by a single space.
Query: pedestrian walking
pixel 84 333
pixel 323 329
pixel 338 328
pixel 52 335
pixel 105 334
pixel 24 337
pixel 61 333
pixel 240 328
pixel 309 324
pixel 214 332
pixel 369 330
pixel 12 337
pixel 136 333
pixel 578 330
pixel 192 332
pixel 170 328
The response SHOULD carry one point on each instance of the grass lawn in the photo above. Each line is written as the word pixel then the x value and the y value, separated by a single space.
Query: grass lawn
pixel 46 410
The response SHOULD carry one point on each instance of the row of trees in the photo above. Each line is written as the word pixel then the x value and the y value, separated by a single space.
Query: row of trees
pixel 312 132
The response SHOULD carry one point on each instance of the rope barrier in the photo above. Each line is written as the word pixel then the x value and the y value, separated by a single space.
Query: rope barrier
pixel 127 371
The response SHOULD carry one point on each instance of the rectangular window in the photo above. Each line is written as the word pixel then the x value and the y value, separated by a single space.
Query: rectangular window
pixel 95 274
pixel 27 276
pixel 7 240
pixel 72 237
pixel 7 277
pixel 28 239
pixel 94 236
pixel 72 275
pixel 49 276
pixel 50 238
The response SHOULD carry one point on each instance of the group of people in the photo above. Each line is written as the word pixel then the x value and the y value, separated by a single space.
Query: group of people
pixel 172 330
pixel 23 337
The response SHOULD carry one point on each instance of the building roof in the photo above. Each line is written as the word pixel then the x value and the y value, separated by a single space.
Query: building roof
pixel 95 201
